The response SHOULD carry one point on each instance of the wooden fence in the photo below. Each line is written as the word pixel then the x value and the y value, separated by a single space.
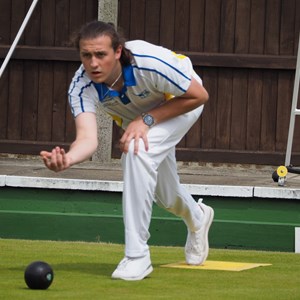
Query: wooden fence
pixel 34 112
pixel 244 50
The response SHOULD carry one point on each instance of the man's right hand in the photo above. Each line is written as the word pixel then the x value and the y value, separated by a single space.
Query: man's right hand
pixel 56 160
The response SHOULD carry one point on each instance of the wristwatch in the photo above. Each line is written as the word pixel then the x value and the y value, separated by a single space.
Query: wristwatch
pixel 148 119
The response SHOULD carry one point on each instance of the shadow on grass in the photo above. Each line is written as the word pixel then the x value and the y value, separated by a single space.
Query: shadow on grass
pixel 87 268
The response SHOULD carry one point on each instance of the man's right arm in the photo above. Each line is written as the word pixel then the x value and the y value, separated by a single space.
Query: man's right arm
pixel 81 149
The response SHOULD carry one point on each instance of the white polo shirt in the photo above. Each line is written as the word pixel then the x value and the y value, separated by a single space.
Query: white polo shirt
pixel 155 72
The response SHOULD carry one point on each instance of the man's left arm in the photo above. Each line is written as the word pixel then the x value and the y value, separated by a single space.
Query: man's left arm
pixel 195 96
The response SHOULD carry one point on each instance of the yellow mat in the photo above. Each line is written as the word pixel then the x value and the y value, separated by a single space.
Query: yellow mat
pixel 217 265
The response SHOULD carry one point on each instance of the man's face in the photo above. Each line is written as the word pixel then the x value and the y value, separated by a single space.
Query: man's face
pixel 99 59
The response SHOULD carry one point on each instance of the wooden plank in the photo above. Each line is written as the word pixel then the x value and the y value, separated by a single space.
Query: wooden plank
pixel 30 100
pixel 152 25
pixel 60 88
pixel 18 13
pixel 45 99
pixel 117 134
pixel 60 85
pixel 32 30
pixel 297 27
pixel 202 59
pixel 224 109
pixel 70 125
pixel 196 27
pixel 77 15
pixel 182 143
pixel 167 23
pixel 91 10
pixel 209 116
pixel 242 28
pixel 238 130
pixel 228 16
pixel 269 111
pixel 28 147
pixel 242 60
pixel 285 91
pixel 212 25
pixel 5 34
pixel 181 25
pixel 62 13
pixel 31 73
pixel 193 137
pixel 287 35
pixel 272 27
pixel 257 23
pixel 47 23
pixel 254 109
pixel 137 19
pixel 4 84
pixel 15 100
pixel 124 16
pixel 42 53
pixel 235 157
pixel 5 21
pixel 296 141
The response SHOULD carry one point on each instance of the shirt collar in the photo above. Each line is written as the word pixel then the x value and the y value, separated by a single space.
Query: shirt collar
pixel 128 75
pixel 129 80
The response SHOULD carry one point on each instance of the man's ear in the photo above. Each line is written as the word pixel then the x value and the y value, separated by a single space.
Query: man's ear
pixel 118 52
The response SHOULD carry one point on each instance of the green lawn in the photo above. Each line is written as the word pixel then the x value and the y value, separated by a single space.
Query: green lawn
pixel 83 270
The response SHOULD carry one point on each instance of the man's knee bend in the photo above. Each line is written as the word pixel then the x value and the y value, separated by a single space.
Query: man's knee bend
pixel 176 207
pixel 140 157
pixel 140 147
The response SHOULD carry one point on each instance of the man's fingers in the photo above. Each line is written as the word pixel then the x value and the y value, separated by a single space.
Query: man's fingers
pixel 56 160
pixel 45 153
pixel 124 146
pixel 145 140
pixel 136 145
pixel 64 158
pixel 59 158
pixel 124 142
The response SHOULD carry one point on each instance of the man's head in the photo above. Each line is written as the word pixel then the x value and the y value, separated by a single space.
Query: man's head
pixel 102 51
pixel 94 29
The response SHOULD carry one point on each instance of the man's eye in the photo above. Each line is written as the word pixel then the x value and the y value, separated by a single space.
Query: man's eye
pixel 86 55
pixel 100 54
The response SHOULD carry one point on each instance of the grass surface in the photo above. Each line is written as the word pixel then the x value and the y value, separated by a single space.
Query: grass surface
pixel 83 270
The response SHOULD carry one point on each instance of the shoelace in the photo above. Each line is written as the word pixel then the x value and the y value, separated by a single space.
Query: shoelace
pixel 124 263
pixel 198 243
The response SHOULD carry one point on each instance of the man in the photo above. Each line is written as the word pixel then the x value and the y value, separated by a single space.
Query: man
pixel 155 96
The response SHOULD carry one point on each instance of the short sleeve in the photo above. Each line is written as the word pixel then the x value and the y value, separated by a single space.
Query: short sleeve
pixel 82 94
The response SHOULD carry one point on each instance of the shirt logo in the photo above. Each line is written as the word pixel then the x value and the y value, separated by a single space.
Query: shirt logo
pixel 144 94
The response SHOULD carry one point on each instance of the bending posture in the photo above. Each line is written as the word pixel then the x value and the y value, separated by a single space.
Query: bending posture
pixel 155 96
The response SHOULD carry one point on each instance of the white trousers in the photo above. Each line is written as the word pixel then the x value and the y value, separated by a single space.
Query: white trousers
pixel 152 176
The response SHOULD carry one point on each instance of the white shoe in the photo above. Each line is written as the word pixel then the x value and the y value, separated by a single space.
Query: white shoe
pixel 197 246
pixel 133 268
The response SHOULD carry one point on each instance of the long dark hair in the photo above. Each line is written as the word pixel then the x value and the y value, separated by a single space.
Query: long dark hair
pixel 94 29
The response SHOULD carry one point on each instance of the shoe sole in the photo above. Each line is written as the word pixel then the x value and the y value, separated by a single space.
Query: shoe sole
pixel 140 277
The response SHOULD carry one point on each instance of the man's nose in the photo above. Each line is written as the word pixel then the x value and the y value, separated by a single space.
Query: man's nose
pixel 93 62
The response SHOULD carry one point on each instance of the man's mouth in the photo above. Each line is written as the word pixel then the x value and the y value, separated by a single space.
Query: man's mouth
pixel 96 73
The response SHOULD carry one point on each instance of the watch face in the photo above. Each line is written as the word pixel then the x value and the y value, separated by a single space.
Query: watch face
pixel 148 120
